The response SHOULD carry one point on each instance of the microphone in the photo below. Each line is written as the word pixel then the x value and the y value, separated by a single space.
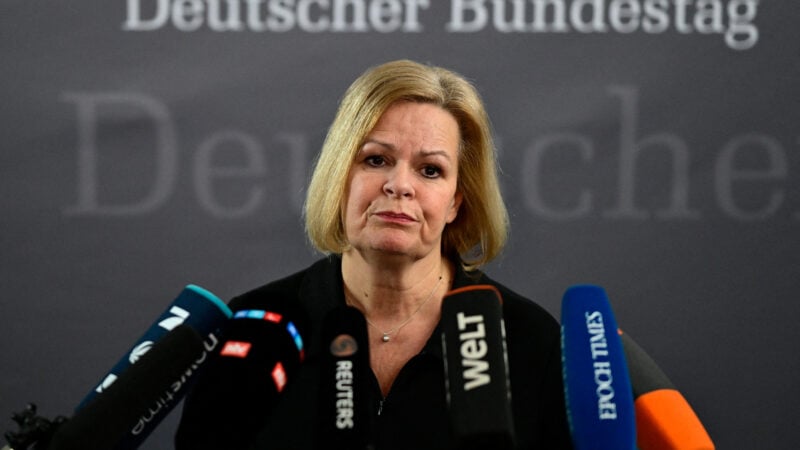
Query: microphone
pixel 597 386
pixel 194 306
pixel 261 339
pixel 106 421
pixel 476 368
pixel 664 419
pixel 262 352
pixel 345 414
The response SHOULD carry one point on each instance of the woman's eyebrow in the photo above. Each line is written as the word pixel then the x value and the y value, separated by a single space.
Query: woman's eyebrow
pixel 392 147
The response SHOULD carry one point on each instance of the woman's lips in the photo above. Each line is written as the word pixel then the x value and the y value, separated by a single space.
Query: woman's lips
pixel 395 216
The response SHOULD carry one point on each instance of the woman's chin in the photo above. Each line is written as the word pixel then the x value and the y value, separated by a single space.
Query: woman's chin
pixel 393 243
pixel 391 248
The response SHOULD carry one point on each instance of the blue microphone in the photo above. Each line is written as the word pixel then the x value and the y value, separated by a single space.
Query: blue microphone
pixel 597 386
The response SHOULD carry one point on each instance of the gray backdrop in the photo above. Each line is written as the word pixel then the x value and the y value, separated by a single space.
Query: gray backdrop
pixel 649 146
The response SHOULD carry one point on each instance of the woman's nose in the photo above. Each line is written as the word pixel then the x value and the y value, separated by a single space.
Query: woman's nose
pixel 399 182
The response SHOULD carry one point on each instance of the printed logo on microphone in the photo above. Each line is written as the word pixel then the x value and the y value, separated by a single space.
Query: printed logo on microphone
pixel 343 346
pixel 474 350
pixel 167 400
pixel 236 349
pixel 107 381
pixel 177 318
pixel 603 377
pixel 139 351
pixel 279 376
pixel 345 411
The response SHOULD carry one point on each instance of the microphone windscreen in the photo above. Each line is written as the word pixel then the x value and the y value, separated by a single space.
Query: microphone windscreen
pixel 194 306
pixel 476 368
pixel 596 382
pixel 105 421
pixel 346 403
pixel 260 340
pixel 261 355
pixel 664 419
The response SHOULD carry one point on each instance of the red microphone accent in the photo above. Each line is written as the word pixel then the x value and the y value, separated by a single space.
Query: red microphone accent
pixel 279 376
pixel 236 349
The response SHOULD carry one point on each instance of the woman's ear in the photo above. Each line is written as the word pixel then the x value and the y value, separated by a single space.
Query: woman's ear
pixel 454 205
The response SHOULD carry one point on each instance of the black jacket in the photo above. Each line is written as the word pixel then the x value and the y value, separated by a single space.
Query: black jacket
pixel 234 405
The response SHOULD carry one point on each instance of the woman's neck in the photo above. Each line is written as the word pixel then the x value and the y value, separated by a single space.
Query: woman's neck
pixel 387 290
pixel 401 304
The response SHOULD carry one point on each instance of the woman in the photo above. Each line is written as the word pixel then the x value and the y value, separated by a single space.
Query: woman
pixel 405 202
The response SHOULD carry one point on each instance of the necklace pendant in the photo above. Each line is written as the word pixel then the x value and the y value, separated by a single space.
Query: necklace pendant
pixel 385 337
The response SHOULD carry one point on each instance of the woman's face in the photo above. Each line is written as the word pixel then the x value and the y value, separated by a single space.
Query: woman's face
pixel 402 185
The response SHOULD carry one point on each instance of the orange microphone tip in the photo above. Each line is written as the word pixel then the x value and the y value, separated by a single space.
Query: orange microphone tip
pixel 665 421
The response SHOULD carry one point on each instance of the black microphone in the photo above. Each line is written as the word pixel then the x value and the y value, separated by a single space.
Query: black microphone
pixel 193 306
pixel 664 419
pixel 105 421
pixel 263 350
pixel 344 418
pixel 268 339
pixel 476 368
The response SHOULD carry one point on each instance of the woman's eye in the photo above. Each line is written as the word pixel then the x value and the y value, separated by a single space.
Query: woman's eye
pixel 375 160
pixel 431 171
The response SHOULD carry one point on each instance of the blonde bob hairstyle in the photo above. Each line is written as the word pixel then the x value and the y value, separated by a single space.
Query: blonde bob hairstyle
pixel 479 232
